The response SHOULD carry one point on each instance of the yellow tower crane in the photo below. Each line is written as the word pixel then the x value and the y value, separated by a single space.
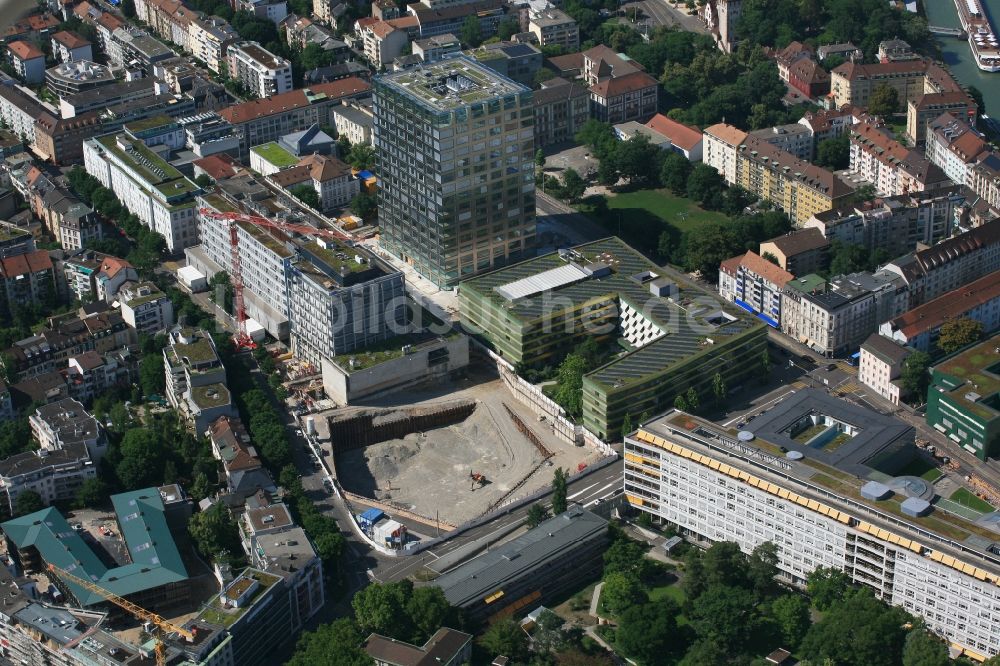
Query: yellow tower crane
pixel 162 625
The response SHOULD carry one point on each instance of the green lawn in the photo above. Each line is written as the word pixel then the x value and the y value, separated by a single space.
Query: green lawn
pixel 681 212
pixel 966 498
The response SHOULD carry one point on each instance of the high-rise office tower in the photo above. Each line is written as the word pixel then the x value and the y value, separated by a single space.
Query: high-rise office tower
pixel 454 147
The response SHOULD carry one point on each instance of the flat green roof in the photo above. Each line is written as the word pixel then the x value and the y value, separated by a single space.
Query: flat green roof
pixel 142 300
pixel 151 167
pixel 693 318
pixel 199 351
pixel 148 123
pixel 218 202
pixel 275 154
pixel 215 612
pixel 266 239
pixel 328 255
pixel 807 283
pixel 155 560
pixel 10 233
pixel 387 350
pixel 976 371
pixel 210 395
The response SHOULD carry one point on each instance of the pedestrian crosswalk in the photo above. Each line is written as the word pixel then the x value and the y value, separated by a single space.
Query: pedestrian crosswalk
pixel 849 387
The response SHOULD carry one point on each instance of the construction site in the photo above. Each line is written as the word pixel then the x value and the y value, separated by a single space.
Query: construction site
pixel 450 454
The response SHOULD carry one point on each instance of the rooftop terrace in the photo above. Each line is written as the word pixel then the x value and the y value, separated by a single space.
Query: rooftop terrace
pixel 216 612
pixel 451 83
pixel 210 395
pixel 275 154
pixel 977 374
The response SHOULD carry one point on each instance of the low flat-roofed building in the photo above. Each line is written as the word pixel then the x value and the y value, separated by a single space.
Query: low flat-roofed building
pixel 145 308
pixel 533 568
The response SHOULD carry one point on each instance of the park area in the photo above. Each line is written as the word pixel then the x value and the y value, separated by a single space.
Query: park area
pixel 641 209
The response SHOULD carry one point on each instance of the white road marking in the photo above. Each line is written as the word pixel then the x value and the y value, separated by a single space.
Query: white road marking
pixel 580 492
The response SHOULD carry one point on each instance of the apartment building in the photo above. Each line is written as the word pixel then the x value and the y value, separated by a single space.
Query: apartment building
pixel 986 180
pixel 145 308
pixel 956 147
pixel 18 111
pixel 131 46
pixel 434 48
pixel 55 475
pixel 620 90
pixel 27 278
pixel 927 107
pixel 479 219
pixel 263 120
pixel 853 83
pixel 793 138
pixel 66 423
pixel 554 27
pixel 209 39
pixel 799 188
pixel 721 144
pixel 962 401
pixel 260 71
pixel 232 447
pixel 272 10
pixel 446 647
pixel 440 20
pixel 561 109
pixel 155 191
pixel 798 68
pixel 937 565
pixel 920 327
pixel 890 166
pixel 754 284
pixel 354 122
pixel 69 47
pixel 514 60
pixel 196 379
pixel 90 275
pixel 331 179
pixel 950 264
pixel 833 318
pixel 827 124
pixel 721 17
pixel 799 252
pixel 341 299
pixel 72 222
pixel 27 61
pixel 894 224
pixel 383 42
pixel 880 364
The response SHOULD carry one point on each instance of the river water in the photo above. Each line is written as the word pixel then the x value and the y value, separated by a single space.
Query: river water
pixel 957 54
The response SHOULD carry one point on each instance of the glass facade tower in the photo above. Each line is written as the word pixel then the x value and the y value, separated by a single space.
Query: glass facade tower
pixel 454 144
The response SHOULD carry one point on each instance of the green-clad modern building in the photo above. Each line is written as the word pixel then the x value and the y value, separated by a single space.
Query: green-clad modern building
pixel 674 335
pixel 963 400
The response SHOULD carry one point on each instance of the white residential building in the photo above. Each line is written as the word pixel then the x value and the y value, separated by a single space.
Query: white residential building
pixel 27 60
pixel 260 71
pixel 208 40
pixel 354 122
pixel 554 27
pixel 145 308
pixel 956 147
pixel 54 475
pixel 693 474
pixel 720 146
pixel 754 284
pixel 64 423
pixel 382 42
pixel 196 378
pixel 156 192
pixel 333 181
pixel 880 364
pixel 69 47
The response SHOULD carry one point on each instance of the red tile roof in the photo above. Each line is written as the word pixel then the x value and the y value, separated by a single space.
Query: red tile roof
pixel 218 167
pixel 352 85
pixel 293 99
pixel 70 40
pixel 112 265
pixel 25 50
pixel 683 136
pixel 952 305
pixel 24 264
pixel 759 265
pixel 622 85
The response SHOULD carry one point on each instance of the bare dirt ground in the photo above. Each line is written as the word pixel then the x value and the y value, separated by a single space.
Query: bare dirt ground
pixel 429 472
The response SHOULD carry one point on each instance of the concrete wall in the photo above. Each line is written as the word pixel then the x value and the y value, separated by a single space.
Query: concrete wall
pixel 345 386
pixel 371 427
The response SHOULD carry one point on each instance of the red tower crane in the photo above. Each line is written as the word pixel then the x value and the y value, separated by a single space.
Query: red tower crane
pixel 242 339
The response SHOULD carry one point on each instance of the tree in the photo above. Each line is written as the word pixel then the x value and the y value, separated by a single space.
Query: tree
pixel 692 399
pixel 791 613
pixel 762 567
pixel 427 609
pixel 884 101
pixel 28 501
pixel 509 27
pixel 505 637
pixel 834 153
pixel 536 514
pixel 680 403
pixel 622 591
pixel 637 160
pixel 725 615
pixel 471 33
pixel 827 586
pixel 214 533
pixel 675 172
pixel 765 365
pixel 922 648
pixel 573 186
pixel 628 557
pixel 958 333
pixel 380 608
pixel 847 258
pixel 915 376
pixel 151 374
pixel 648 632
pixel 860 629
pixel 719 388
pixel 569 384
pixel 92 493
pixel 364 205
pixel 128 8
pixel 362 156
pixel 204 181
pixel 306 194
pixel 142 459
pixel 339 643
pixel 770 257
pixel 559 491
pixel 540 158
